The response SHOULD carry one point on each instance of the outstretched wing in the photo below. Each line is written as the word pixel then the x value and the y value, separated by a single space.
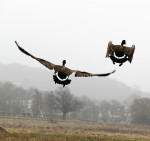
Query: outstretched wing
pixel 47 64
pixel 58 68
pixel 86 74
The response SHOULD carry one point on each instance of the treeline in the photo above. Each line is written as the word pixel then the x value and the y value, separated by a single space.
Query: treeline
pixel 62 104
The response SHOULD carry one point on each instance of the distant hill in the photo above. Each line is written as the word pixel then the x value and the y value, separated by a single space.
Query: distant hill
pixel 96 88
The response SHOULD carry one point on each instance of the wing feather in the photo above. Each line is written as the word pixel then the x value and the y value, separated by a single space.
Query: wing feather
pixel 86 74
pixel 47 64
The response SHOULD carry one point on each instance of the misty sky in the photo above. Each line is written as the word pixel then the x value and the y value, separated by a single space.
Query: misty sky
pixel 78 31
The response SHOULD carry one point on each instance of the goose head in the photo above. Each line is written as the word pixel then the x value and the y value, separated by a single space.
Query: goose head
pixel 123 42
pixel 63 63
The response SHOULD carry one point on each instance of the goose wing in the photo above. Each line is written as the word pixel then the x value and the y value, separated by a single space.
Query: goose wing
pixel 58 68
pixel 87 74
pixel 47 64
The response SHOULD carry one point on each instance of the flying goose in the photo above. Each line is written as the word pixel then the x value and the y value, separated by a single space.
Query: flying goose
pixel 120 53
pixel 61 73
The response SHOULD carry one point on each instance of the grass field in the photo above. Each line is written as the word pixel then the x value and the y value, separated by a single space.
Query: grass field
pixel 21 129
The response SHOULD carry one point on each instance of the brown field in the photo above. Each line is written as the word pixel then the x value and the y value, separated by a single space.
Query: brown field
pixel 21 129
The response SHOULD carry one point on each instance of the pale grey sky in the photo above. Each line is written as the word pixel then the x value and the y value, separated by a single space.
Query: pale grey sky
pixel 78 31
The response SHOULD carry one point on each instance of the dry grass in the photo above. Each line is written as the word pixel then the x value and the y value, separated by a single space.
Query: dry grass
pixel 21 129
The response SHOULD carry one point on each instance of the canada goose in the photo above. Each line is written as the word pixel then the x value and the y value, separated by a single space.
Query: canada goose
pixel 120 53
pixel 61 73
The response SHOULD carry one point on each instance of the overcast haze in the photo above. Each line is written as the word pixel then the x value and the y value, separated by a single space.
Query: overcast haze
pixel 78 31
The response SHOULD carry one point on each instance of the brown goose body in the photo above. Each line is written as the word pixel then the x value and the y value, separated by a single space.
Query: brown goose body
pixel 62 69
pixel 128 51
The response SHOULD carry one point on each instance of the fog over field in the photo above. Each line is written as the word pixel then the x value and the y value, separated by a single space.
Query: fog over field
pixel 78 31
pixel 94 88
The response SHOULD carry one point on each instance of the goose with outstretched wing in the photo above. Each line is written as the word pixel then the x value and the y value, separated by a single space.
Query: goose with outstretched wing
pixel 61 73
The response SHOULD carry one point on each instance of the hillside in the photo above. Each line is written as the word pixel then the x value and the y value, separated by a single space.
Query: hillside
pixel 96 88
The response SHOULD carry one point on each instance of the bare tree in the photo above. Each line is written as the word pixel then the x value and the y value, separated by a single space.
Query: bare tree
pixel 104 110
pixel 49 106
pixel 66 102
pixel 37 103
pixel 11 98
pixel 140 111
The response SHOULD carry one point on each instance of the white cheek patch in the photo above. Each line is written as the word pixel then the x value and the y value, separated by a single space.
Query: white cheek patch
pixel 60 78
pixel 119 57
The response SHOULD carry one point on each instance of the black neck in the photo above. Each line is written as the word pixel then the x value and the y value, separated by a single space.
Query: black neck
pixel 123 42
pixel 63 63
